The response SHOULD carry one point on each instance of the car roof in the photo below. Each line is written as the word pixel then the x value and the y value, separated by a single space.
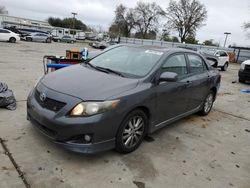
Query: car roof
pixel 159 48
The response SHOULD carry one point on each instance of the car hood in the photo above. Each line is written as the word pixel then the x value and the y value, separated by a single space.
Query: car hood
pixel 87 84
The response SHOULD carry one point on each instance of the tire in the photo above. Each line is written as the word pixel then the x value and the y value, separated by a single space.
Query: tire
pixel 225 66
pixel 48 40
pixel 241 80
pixel 208 103
pixel 131 132
pixel 29 39
pixel 58 40
pixel 12 39
pixel 72 42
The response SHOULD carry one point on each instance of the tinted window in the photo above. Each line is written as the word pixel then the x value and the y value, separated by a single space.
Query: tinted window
pixel 223 54
pixel 132 61
pixel 196 64
pixel 177 64
pixel 4 31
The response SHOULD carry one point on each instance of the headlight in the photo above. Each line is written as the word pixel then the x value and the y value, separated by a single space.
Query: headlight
pixel 242 66
pixel 92 108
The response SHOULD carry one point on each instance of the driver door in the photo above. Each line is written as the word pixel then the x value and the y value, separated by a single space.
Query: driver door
pixel 172 97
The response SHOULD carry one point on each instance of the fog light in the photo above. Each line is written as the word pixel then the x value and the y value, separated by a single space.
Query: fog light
pixel 87 138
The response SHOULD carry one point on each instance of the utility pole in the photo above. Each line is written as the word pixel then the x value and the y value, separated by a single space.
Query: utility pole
pixel 226 33
pixel 74 19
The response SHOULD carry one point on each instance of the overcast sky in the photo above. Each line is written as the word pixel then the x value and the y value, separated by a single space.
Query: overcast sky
pixel 223 15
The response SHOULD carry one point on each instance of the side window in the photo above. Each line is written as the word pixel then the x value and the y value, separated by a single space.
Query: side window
pixel 4 31
pixel 196 64
pixel 177 64
pixel 223 54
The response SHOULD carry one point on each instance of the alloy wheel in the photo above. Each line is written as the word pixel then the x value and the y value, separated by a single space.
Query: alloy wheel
pixel 133 131
pixel 209 103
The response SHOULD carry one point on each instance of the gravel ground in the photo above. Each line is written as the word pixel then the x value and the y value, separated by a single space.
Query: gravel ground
pixel 212 151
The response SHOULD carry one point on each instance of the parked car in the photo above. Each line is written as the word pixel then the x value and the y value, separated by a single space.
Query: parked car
pixel 55 38
pixel 120 96
pixel 7 35
pixel 38 37
pixel 102 44
pixel 218 58
pixel 67 39
pixel 244 72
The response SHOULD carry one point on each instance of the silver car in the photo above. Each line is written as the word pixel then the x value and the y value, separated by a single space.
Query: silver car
pixel 38 37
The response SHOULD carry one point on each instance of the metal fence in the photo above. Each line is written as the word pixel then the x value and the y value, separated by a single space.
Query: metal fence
pixel 241 55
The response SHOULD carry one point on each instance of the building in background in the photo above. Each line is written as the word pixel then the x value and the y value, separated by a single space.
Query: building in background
pixel 23 23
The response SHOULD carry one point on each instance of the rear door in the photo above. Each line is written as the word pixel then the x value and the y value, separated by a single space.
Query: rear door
pixel 172 99
pixel 199 80
pixel 36 37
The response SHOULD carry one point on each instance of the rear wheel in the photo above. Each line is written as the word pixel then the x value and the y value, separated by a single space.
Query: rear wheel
pixel 29 39
pixel 48 40
pixel 131 132
pixel 12 39
pixel 225 66
pixel 208 103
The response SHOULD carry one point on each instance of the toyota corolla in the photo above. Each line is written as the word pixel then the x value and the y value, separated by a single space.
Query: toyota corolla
pixel 121 95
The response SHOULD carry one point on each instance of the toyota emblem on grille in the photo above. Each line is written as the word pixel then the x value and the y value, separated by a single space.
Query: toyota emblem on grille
pixel 42 97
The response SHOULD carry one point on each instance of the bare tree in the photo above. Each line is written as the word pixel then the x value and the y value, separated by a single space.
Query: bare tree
pixel 147 17
pixel 247 27
pixel 185 17
pixel 3 10
pixel 123 22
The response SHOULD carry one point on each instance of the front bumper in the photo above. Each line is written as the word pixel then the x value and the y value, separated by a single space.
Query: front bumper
pixel 244 75
pixel 63 130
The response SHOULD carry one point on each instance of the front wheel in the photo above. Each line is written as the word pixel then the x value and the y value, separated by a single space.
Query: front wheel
pixel 12 40
pixel 224 68
pixel 208 104
pixel 131 132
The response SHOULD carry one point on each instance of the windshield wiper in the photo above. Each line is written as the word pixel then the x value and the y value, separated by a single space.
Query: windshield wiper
pixel 89 64
pixel 109 71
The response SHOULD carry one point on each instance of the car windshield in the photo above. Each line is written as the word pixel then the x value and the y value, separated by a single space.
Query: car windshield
pixel 130 61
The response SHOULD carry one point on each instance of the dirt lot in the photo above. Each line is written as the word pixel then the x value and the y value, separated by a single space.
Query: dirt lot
pixel 212 151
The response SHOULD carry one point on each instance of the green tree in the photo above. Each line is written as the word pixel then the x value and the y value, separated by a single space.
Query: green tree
pixel 210 43
pixel 67 23
pixel 191 40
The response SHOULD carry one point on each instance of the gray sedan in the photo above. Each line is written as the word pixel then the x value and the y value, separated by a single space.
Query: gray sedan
pixel 67 39
pixel 120 96
pixel 38 37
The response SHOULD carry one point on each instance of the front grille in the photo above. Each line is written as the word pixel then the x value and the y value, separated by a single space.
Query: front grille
pixel 247 68
pixel 48 103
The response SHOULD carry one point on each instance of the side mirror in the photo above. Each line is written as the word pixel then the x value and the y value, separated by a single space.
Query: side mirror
pixel 168 77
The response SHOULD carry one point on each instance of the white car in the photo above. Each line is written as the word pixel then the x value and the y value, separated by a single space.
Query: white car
pixel 244 72
pixel 218 58
pixel 7 35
